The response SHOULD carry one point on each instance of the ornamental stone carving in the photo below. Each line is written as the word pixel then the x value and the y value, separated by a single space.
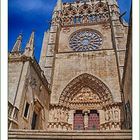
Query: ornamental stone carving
pixel 85 40
pixel 85 95
pixel 85 120
pixel 33 82
pixel 58 114
pixel 100 90
pixel 82 14
pixel 58 118
pixel 112 117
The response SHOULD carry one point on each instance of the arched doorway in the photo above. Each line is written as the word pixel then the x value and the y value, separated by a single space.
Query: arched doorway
pixel 86 95
pixel 93 120
pixel 84 120
pixel 85 81
pixel 88 103
pixel 78 122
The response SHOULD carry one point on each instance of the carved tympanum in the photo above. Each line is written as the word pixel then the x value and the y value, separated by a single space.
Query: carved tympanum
pixel 85 95
pixel 83 85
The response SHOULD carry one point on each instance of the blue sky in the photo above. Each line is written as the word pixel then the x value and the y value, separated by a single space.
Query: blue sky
pixel 27 15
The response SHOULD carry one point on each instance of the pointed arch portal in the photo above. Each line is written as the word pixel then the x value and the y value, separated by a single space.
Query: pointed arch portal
pixel 86 95
pixel 88 89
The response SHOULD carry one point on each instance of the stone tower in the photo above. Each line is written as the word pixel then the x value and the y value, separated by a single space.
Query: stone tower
pixel 83 60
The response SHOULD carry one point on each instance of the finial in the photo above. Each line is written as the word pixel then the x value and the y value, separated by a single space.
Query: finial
pixel 59 5
pixel 17 45
pixel 29 49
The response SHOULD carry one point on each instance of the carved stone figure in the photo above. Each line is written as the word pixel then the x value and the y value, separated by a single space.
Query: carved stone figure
pixel 85 120
pixel 116 114
pixel 55 115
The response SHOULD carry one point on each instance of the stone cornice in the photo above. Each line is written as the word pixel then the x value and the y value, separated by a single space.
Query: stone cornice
pixel 40 73
pixel 57 106
pixel 115 104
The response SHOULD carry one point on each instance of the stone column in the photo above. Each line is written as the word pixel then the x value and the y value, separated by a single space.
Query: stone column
pixel 71 117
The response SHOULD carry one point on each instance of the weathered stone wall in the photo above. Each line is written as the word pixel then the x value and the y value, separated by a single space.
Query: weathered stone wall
pixel 26 85
pixel 65 36
pixel 101 64
pixel 127 81
pixel 33 88
pixel 14 72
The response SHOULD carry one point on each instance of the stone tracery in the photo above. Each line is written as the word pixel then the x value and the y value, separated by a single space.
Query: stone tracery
pixel 85 8
pixel 81 14
pixel 85 93
pixel 100 8
pixel 85 80
pixel 85 40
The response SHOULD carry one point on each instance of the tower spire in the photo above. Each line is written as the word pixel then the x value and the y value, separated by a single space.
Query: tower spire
pixel 29 49
pixel 44 49
pixel 59 5
pixel 17 45
pixel 57 9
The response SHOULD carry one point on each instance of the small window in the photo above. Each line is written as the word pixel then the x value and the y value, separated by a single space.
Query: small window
pixel 26 110
pixel 34 121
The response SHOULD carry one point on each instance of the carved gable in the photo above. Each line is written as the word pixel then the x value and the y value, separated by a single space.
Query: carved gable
pixel 86 95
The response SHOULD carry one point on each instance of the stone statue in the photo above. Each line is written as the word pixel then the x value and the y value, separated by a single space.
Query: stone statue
pixel 116 114
pixel 52 115
pixel 85 120
pixel 55 115
pixel 106 116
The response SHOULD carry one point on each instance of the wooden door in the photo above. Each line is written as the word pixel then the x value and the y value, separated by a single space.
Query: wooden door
pixel 78 120
pixel 93 120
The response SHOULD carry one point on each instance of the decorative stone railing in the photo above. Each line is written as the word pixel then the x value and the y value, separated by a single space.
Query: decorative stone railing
pixel 12 112
pixel 58 126
pixel 12 116
pixel 110 126
pixel 10 109
pixel 81 20
pixel 90 19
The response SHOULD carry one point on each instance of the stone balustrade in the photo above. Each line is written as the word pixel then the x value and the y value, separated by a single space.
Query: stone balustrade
pixel 59 126
pixel 110 126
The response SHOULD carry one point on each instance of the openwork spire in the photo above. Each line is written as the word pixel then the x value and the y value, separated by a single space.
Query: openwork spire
pixel 29 49
pixel 17 45
pixel 59 5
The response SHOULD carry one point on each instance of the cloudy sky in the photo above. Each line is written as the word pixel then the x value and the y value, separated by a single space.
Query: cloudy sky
pixel 27 15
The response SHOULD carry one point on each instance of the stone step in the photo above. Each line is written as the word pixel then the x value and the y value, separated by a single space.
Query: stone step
pixel 73 135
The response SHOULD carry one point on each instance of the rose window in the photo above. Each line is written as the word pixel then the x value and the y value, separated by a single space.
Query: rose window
pixel 85 40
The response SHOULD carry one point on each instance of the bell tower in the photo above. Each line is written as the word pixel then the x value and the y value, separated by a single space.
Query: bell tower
pixel 83 58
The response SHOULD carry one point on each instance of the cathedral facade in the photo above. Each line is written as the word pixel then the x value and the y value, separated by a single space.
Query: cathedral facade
pixel 78 84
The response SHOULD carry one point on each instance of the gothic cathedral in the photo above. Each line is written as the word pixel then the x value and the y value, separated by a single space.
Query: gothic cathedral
pixel 78 84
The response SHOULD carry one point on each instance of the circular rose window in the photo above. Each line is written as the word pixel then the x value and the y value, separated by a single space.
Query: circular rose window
pixel 85 40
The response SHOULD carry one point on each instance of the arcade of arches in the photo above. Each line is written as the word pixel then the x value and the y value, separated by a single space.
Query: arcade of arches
pixel 86 103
